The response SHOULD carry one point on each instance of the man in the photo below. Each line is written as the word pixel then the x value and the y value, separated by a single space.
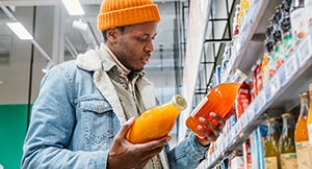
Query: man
pixel 86 107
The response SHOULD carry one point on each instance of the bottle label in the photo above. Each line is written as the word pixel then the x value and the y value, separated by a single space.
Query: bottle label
pixel 309 14
pixel 287 43
pixel 303 154
pixel 271 163
pixel 298 24
pixel 310 134
pixel 289 161
pixel 199 106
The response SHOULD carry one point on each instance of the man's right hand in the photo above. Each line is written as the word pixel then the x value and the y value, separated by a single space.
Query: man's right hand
pixel 125 155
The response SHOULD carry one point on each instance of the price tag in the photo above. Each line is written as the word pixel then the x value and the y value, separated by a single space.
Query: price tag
pixel 274 85
pixel 252 111
pixel 244 119
pixel 261 101
pixel 268 94
pixel 291 66
pixel 304 51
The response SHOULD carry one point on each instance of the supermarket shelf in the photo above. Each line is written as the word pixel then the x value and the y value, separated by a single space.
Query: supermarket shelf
pixel 254 24
pixel 279 95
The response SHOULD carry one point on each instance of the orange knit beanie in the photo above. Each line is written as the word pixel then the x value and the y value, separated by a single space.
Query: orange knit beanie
pixel 115 13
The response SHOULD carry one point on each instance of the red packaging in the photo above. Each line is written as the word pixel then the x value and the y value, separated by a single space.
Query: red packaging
pixel 247 155
pixel 243 100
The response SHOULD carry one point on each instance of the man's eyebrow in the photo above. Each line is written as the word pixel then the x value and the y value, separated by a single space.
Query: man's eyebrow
pixel 147 34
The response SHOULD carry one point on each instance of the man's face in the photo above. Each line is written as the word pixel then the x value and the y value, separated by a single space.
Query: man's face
pixel 134 45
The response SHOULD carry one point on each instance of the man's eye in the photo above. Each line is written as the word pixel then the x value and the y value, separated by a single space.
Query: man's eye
pixel 142 39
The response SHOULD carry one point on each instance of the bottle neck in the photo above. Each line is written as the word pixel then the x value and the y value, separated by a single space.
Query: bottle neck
pixel 238 77
pixel 273 127
pixel 304 106
pixel 288 123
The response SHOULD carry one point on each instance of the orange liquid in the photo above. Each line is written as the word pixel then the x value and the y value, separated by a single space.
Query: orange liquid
pixel 301 133
pixel 220 100
pixel 154 123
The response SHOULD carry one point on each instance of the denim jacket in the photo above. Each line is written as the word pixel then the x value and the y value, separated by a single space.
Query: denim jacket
pixel 77 114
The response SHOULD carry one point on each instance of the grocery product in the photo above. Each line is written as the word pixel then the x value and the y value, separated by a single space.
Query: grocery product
pixel 287 148
pixel 301 134
pixel 219 100
pixel 310 120
pixel 271 152
pixel 298 20
pixel 156 122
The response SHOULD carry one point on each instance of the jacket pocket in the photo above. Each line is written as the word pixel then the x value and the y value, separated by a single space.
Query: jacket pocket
pixel 97 120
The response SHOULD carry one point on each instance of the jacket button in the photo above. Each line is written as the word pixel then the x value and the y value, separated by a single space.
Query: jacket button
pixel 99 105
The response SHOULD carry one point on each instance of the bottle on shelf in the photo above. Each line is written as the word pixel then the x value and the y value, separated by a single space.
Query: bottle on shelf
pixel 271 152
pixel 298 20
pixel 301 134
pixel 219 100
pixel 287 148
pixel 310 120
pixel 278 57
pixel 156 122
pixel 285 24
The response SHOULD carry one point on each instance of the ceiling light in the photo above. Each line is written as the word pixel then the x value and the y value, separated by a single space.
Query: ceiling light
pixel 79 24
pixel 73 7
pixel 20 30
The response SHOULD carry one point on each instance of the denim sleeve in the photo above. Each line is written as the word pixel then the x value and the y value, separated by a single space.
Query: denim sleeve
pixel 51 127
pixel 187 154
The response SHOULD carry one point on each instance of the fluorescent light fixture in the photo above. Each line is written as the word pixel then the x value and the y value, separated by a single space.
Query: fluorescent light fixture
pixel 19 30
pixel 73 7
pixel 78 24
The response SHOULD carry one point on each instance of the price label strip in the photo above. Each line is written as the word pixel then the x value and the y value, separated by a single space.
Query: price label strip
pixel 291 67
pixel 261 101
pixel 274 85
pixel 304 51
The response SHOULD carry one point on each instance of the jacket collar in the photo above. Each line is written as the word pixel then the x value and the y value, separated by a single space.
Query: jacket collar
pixel 96 61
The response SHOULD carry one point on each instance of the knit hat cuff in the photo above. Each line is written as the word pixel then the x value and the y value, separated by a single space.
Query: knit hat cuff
pixel 128 16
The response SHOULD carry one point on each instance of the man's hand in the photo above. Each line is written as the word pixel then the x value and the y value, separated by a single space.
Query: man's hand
pixel 125 155
pixel 210 136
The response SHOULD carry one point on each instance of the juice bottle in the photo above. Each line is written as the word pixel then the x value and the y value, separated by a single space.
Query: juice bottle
pixel 219 100
pixel 301 134
pixel 310 120
pixel 278 58
pixel 156 122
pixel 287 148
pixel 271 152
pixel 286 30
pixel 298 21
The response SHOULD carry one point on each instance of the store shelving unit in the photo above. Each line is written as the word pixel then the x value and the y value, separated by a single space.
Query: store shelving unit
pixel 281 94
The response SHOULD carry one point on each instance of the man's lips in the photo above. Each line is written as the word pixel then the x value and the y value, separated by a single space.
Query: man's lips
pixel 146 61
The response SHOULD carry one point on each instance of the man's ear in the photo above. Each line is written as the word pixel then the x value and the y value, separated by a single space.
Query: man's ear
pixel 112 35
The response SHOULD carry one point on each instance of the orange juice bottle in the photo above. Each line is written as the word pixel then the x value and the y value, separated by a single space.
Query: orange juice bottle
pixel 219 100
pixel 301 134
pixel 310 121
pixel 156 122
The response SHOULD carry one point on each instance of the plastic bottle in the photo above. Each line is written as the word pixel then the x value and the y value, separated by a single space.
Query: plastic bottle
pixel 219 100
pixel 287 148
pixel 271 152
pixel 310 120
pixel 156 122
pixel 298 21
pixel 285 24
pixel 301 134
